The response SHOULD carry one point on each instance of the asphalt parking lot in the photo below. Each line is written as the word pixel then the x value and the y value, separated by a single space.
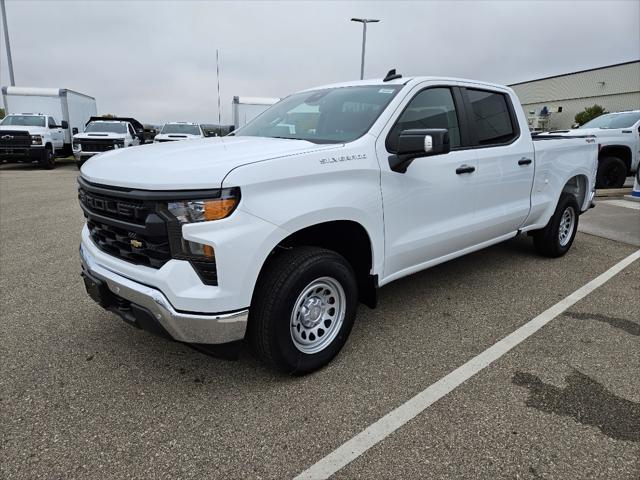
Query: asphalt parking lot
pixel 83 395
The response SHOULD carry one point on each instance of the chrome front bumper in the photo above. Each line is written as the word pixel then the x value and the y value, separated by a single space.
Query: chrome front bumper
pixel 183 327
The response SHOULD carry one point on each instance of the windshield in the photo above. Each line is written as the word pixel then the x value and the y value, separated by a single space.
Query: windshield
pixel 181 128
pixel 334 115
pixel 23 120
pixel 104 127
pixel 613 120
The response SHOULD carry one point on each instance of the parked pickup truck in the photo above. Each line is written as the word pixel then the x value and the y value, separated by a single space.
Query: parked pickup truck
pixel 174 131
pixel 274 234
pixel 103 134
pixel 31 138
pixel 618 138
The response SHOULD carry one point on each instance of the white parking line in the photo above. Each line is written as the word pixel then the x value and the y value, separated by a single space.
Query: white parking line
pixel 395 419
pixel 622 203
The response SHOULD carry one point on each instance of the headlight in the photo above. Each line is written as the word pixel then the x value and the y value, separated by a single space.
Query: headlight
pixel 206 209
pixel 76 144
pixel 36 139
pixel 118 143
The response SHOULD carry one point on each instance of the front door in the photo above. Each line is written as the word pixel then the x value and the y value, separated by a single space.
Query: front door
pixel 429 209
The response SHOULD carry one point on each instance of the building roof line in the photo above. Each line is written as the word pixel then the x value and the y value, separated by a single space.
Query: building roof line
pixel 573 73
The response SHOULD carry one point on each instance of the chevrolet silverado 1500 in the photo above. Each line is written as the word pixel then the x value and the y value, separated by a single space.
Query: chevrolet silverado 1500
pixel 277 232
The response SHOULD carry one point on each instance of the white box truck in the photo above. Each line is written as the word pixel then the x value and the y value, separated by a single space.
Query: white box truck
pixel 246 109
pixel 23 134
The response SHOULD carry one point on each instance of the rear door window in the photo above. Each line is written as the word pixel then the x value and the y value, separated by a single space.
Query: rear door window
pixel 491 116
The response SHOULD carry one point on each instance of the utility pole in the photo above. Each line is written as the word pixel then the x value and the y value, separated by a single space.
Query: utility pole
pixel 218 75
pixel 364 22
pixel 6 41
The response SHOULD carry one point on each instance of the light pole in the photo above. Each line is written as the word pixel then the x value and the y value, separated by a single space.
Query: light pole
pixel 364 22
pixel 6 41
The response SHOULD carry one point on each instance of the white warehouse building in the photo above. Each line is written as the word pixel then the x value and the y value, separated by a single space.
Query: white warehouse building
pixel 614 87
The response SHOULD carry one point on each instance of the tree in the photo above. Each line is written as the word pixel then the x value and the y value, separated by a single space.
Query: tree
pixel 108 115
pixel 1 113
pixel 589 114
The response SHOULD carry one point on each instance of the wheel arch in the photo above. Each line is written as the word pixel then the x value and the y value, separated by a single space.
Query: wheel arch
pixel 348 238
pixel 578 186
pixel 623 152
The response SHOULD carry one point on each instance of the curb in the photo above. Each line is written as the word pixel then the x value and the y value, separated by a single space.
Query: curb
pixel 613 192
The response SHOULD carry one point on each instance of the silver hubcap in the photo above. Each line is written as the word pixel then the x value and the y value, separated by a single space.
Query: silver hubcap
pixel 567 224
pixel 318 315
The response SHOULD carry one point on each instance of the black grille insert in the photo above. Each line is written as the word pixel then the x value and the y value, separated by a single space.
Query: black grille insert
pixel 14 139
pixel 96 145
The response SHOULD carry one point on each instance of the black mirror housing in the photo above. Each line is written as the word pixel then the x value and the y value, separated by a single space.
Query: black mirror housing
pixel 424 142
pixel 64 124
pixel 418 143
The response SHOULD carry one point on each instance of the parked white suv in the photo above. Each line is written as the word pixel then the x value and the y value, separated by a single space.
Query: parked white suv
pixel 277 232
pixel 173 131
pixel 31 137
pixel 105 134
pixel 618 135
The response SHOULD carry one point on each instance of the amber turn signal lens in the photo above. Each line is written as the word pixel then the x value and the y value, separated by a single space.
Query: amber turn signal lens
pixel 220 208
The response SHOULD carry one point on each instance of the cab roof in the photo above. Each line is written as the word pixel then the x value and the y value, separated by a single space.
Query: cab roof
pixel 405 81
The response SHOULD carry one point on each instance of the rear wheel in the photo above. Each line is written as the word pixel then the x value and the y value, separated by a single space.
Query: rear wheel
pixel 556 238
pixel 612 173
pixel 303 309
pixel 48 160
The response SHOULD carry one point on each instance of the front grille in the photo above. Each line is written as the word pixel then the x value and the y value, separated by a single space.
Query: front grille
pixel 14 139
pixel 126 228
pixel 96 145
pixel 133 247
pixel 164 140
pixel 135 226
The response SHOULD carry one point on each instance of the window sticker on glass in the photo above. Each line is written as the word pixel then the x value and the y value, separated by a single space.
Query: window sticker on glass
pixel 386 90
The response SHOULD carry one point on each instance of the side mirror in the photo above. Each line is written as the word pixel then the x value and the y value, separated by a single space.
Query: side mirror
pixel 419 143
pixel 53 126
pixel 74 130
pixel 64 124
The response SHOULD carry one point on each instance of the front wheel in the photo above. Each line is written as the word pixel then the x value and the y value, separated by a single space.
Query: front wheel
pixel 48 160
pixel 303 309
pixel 556 238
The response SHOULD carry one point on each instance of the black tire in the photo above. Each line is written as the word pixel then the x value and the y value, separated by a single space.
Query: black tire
pixel 278 289
pixel 612 173
pixel 547 240
pixel 48 161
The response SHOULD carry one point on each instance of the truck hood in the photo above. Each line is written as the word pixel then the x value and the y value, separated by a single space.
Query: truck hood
pixel 196 164
pixel 100 135
pixel 21 128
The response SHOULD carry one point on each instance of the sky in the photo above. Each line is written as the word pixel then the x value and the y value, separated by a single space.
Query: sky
pixel 156 60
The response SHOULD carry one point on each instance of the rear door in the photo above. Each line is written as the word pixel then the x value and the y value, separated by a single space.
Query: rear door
pixel 505 171
pixel 429 210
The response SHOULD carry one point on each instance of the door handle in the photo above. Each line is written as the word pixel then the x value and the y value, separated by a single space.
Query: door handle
pixel 524 161
pixel 465 169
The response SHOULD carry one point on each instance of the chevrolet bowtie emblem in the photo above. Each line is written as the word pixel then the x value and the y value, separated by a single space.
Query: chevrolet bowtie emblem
pixel 136 243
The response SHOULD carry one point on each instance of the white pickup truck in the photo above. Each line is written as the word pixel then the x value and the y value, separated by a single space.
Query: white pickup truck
pixel 275 233
pixel 175 131
pixel 618 138
pixel 103 134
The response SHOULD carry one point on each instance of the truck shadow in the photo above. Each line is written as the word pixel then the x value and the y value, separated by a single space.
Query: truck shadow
pixel 586 401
